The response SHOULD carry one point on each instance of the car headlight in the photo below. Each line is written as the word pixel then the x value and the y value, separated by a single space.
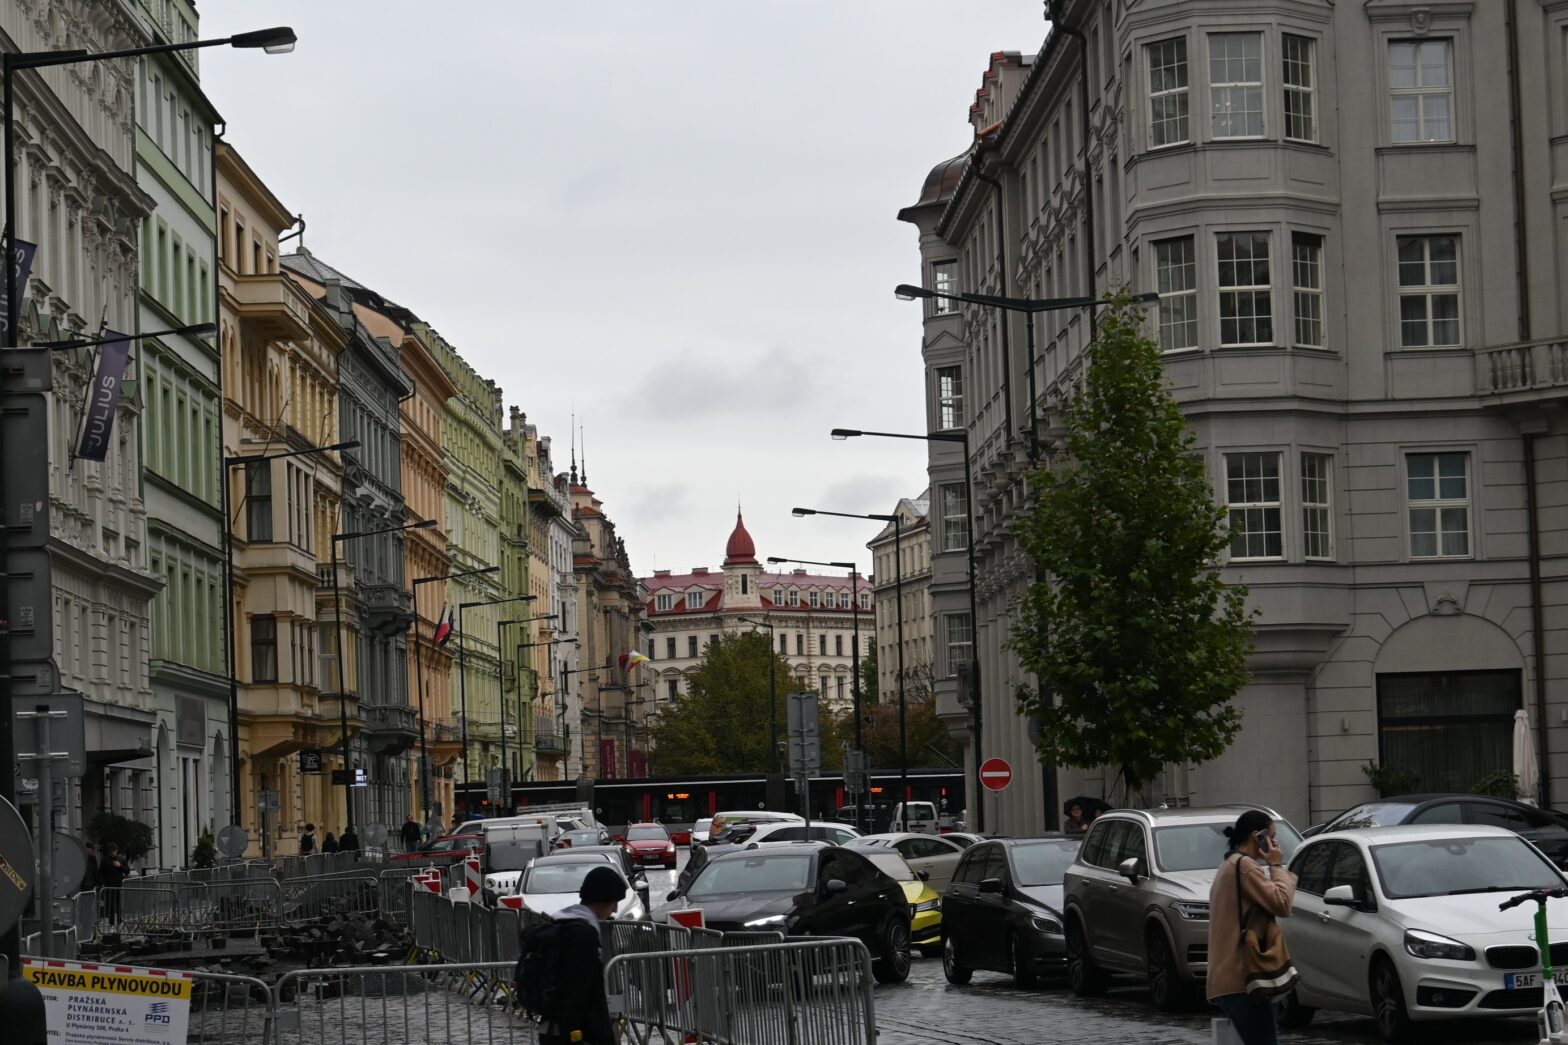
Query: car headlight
pixel 1043 924
pixel 773 921
pixel 1192 910
pixel 1419 944
pixel 928 905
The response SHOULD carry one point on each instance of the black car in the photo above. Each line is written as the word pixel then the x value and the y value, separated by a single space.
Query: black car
pixel 623 860
pixel 1547 830
pixel 1003 911
pixel 700 855
pixel 806 889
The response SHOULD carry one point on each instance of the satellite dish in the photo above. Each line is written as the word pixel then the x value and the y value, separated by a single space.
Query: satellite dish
pixel 232 841
pixel 16 866
pixel 376 834
pixel 70 863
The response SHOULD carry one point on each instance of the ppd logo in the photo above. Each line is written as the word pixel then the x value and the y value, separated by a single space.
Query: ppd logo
pixel 158 1012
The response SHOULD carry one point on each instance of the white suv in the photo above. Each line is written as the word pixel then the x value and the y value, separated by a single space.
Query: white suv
pixel 784 831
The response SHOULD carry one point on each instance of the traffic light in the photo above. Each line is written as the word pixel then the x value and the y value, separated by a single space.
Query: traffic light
pixel 25 383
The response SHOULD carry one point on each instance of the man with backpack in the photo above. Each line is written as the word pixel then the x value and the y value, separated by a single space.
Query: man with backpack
pixel 560 976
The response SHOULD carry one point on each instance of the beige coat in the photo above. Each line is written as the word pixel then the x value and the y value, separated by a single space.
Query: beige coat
pixel 1227 971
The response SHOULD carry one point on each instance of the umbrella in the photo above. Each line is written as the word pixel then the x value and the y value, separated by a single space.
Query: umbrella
pixel 1525 766
pixel 1089 805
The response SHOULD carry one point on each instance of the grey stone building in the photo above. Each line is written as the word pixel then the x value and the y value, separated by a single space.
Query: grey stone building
pixel 1353 214
pixel 377 601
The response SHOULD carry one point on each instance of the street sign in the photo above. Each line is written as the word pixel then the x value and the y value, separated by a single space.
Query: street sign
pixel 232 841
pixel 113 1004
pixel 310 760
pixel 805 743
pixel 269 802
pixel 339 777
pixel 855 772
pixel 17 866
pixel 995 774
pixel 67 732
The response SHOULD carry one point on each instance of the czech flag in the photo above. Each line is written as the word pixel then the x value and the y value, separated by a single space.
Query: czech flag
pixel 631 660
pixel 444 629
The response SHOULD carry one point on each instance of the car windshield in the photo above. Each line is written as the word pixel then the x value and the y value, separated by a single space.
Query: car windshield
pixel 1446 866
pixel 1042 863
pixel 512 856
pixel 559 878
pixel 920 811
pixel 583 837
pixel 702 825
pixel 893 865
pixel 1373 814
pixel 1203 847
pixel 732 877
pixel 647 834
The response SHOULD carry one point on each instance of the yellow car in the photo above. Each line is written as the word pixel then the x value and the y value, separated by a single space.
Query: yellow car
pixel 925 903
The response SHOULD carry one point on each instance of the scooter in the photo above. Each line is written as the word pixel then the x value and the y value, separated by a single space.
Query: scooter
pixel 1549 1019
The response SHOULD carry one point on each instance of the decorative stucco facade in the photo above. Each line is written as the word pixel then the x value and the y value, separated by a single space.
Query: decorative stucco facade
pixel 913 539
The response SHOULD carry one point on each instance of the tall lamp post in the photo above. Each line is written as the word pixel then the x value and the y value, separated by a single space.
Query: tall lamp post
pixel 337 630
pixel 500 678
pixel 582 766
pixel 521 732
pixel 960 437
pixel 274 41
pixel 854 656
pixel 773 689
pixel 230 628
pixel 898 594
pixel 419 669
pixel 462 662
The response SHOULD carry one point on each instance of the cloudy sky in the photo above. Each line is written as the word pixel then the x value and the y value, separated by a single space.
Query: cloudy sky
pixel 675 216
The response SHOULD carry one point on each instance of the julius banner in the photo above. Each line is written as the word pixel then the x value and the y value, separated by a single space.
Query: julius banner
pixel 104 397
pixel 112 1004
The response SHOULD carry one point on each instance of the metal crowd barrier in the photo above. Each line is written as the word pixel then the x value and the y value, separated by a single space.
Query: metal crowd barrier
pixel 806 992
pixel 327 863
pixel 304 899
pixel 468 1004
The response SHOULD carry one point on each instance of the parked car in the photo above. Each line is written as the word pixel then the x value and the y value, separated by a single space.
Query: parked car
pixel 550 884
pixel 1401 924
pixel 1003 911
pixel 914 817
pixel 1546 829
pixel 650 844
pixel 934 854
pixel 699 831
pixel 806 889
pixel 448 849
pixel 1138 897
pixel 925 903
pixel 965 839
pixel 721 820
pixel 700 855
pixel 583 836
pixel 785 831
pixel 622 859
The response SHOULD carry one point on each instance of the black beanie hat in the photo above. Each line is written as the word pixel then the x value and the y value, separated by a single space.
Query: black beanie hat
pixel 602 885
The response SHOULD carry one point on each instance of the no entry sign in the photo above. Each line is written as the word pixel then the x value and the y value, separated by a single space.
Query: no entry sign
pixel 995 774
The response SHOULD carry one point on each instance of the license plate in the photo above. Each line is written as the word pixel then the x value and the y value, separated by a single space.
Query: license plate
pixel 1516 980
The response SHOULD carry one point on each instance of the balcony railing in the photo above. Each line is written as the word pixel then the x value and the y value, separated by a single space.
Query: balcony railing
pixel 390 606
pixel 1523 371
pixel 391 728
pixel 550 744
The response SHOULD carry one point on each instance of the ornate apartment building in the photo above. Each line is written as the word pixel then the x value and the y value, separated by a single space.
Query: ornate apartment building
pixel 913 539
pixel 813 619
pixel 1353 215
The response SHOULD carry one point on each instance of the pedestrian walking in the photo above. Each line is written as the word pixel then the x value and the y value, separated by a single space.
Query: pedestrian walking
pixel 563 967
pixel 348 842
pixel 411 834
pixel 112 872
pixel 1249 963
pixel 307 841
pixel 90 875
pixel 330 843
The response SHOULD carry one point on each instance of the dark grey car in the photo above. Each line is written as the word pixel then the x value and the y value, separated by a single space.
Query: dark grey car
pixel 1003 910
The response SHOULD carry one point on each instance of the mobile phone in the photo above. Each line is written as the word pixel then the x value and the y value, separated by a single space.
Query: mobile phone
pixel 1262 838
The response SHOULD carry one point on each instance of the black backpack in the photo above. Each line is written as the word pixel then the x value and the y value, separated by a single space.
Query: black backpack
pixel 535 976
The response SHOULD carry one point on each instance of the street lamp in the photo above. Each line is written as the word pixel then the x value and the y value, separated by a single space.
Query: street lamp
pixel 961 437
pixel 773 688
pixel 337 630
pixel 424 746
pixel 598 712
pixel 462 663
pixel 521 732
pixel 898 595
pixel 229 624
pixel 854 653
pixel 500 682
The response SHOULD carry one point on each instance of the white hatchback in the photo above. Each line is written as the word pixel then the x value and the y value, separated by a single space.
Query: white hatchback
pixel 1402 924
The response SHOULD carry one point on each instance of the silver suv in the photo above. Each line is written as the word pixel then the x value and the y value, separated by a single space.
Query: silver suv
pixel 1137 897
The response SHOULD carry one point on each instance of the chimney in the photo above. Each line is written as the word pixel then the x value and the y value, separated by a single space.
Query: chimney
pixel 699 571
pixel 661 573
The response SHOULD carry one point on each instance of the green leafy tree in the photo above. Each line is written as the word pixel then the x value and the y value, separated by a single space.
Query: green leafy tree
pixel 133 837
pixel 930 745
pixel 723 724
pixel 870 685
pixel 1137 641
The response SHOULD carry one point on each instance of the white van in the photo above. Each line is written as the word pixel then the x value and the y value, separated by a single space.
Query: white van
pixel 915 817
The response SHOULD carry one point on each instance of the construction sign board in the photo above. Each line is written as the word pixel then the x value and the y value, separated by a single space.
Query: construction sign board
pixel 91 1004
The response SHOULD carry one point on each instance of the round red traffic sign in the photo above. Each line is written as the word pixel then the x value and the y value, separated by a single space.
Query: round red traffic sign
pixel 995 774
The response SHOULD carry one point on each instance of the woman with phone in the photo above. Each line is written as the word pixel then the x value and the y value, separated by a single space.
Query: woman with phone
pixel 1252 889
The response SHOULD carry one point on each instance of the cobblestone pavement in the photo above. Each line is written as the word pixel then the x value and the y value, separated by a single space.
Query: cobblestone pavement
pixel 991 1011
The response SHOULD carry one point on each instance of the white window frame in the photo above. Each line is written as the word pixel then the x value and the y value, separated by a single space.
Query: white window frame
pixel 944 280
pixel 1242 503
pixel 1306 285
pixel 949 399
pixel 955 525
pixel 778 596
pixel 1306 94
pixel 1230 89
pixel 1421 92
pixel 1438 505
pixel 664 601
pixel 1178 94
pixel 1429 291
pixel 1317 505
pixel 813 598
pixel 695 599
pixel 794 596
pixel 964 641
pixel 1174 297
pixel 1248 291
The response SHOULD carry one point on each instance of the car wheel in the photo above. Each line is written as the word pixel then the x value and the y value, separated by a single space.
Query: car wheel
pixel 1023 976
pixel 1388 1002
pixel 1291 1012
pixel 892 964
pixel 1085 978
pixel 956 974
pixel 1166 987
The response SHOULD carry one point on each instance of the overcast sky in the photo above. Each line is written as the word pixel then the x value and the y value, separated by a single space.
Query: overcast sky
pixel 676 216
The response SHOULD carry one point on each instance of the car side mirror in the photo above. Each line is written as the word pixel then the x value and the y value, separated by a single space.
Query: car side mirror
pixel 834 886
pixel 924 876
pixel 1131 869
pixel 1342 896
pixel 991 885
pixel 673 894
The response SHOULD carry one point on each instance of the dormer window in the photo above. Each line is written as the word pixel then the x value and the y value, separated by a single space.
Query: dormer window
pixel 664 602
pixel 694 600
pixel 778 596
pixel 843 600
pixel 794 597
pixel 814 598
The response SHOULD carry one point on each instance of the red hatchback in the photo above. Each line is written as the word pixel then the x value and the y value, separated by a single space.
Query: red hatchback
pixel 650 844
